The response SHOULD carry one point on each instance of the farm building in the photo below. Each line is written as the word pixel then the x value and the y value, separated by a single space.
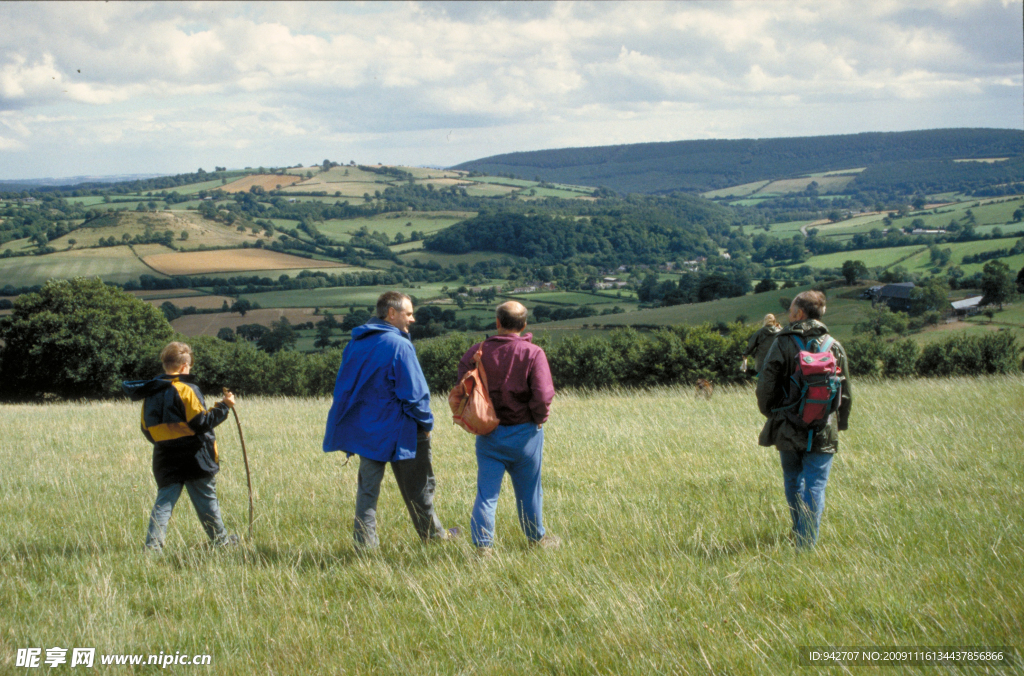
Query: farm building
pixel 966 307
pixel 896 296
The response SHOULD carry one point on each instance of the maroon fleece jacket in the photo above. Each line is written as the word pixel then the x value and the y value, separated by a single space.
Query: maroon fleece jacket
pixel 518 378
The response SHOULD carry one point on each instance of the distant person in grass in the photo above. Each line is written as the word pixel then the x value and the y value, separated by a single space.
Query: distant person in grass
pixel 180 427
pixel 805 464
pixel 521 390
pixel 381 412
pixel 761 342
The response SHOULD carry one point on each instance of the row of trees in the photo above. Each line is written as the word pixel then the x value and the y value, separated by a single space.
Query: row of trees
pixel 81 339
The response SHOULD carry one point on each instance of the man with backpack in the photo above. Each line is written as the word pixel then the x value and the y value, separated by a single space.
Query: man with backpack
pixel 520 387
pixel 804 391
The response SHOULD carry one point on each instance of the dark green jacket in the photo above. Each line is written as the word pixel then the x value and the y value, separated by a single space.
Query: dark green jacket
pixel 760 343
pixel 773 386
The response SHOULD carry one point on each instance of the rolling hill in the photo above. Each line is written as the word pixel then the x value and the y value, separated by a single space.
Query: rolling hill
pixel 715 164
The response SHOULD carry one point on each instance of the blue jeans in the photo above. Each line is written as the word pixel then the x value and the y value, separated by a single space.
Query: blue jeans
pixel 518 450
pixel 804 477
pixel 203 493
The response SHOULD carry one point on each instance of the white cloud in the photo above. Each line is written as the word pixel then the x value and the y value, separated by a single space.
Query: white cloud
pixel 167 80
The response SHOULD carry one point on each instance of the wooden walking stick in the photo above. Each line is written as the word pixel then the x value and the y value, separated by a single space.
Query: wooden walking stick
pixel 245 458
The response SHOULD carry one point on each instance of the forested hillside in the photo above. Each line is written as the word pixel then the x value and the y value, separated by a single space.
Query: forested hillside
pixel 640 230
pixel 708 165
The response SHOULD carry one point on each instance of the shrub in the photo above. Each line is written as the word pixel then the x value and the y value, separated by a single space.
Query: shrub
pixel 900 359
pixel 864 355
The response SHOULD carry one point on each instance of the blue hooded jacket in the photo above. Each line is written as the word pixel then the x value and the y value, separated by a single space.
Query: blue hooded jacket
pixel 380 397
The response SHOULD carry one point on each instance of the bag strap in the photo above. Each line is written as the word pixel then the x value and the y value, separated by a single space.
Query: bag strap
pixel 477 358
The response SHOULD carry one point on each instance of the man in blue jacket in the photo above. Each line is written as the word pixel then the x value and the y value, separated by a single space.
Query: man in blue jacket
pixel 381 412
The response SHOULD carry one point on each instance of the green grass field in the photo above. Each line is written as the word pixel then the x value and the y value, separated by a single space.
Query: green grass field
pixel 675 556
pixel 111 264
pixel 339 296
pixel 421 222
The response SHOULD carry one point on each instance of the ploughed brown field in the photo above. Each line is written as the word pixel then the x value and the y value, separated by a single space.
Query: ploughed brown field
pixel 230 260
pixel 266 181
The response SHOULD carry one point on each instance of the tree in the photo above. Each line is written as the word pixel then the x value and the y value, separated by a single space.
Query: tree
pixel 997 286
pixel 881 321
pixel 854 270
pixel 764 285
pixel 226 334
pixel 170 310
pixel 241 306
pixel 933 295
pixel 281 336
pixel 323 336
pixel 79 338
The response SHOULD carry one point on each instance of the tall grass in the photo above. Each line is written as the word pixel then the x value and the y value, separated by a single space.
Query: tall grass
pixel 675 558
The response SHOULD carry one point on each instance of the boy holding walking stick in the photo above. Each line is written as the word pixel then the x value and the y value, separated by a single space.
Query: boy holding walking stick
pixel 180 427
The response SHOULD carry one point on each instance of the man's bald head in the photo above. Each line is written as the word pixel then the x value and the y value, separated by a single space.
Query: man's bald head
pixel 511 316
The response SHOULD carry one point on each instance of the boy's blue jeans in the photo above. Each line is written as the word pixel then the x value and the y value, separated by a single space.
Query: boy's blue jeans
pixel 203 493
pixel 805 476
pixel 516 449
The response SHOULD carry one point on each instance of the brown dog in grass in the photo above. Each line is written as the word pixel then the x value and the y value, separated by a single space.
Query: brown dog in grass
pixel 705 388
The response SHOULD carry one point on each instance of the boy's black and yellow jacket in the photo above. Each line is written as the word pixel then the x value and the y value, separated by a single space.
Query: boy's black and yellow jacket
pixel 175 419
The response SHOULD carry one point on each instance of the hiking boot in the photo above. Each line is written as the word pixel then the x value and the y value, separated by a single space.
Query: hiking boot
pixel 549 541
pixel 485 553
pixel 226 541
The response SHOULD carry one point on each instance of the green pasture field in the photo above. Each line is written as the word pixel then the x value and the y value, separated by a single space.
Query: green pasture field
pixel 574 298
pixel 500 180
pixel 791 185
pixel 565 194
pixel 425 172
pixel 121 206
pixel 86 200
pixel 974 326
pixel 292 273
pixel 111 264
pixel 423 222
pixel 193 188
pixel 841 314
pixel 922 261
pixel 736 190
pixel 444 259
pixel 489 190
pixel 19 245
pixel 407 246
pixel 780 230
pixel 660 572
pixel 839 172
pixel 338 175
pixel 342 296
pixel 873 258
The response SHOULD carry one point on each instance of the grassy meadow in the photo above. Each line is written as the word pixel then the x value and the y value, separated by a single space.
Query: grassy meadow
pixel 675 557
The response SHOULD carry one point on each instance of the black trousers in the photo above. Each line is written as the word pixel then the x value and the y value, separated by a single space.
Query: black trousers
pixel 416 483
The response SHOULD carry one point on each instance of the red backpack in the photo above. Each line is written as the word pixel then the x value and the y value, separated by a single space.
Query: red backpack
pixel 815 388
pixel 470 401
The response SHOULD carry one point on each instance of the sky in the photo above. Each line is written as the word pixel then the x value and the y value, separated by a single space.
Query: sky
pixel 112 88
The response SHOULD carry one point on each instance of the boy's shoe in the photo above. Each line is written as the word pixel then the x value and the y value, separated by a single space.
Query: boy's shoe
pixel 485 553
pixel 549 541
pixel 226 541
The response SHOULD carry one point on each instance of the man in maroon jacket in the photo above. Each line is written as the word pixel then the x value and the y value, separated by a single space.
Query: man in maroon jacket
pixel 521 390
